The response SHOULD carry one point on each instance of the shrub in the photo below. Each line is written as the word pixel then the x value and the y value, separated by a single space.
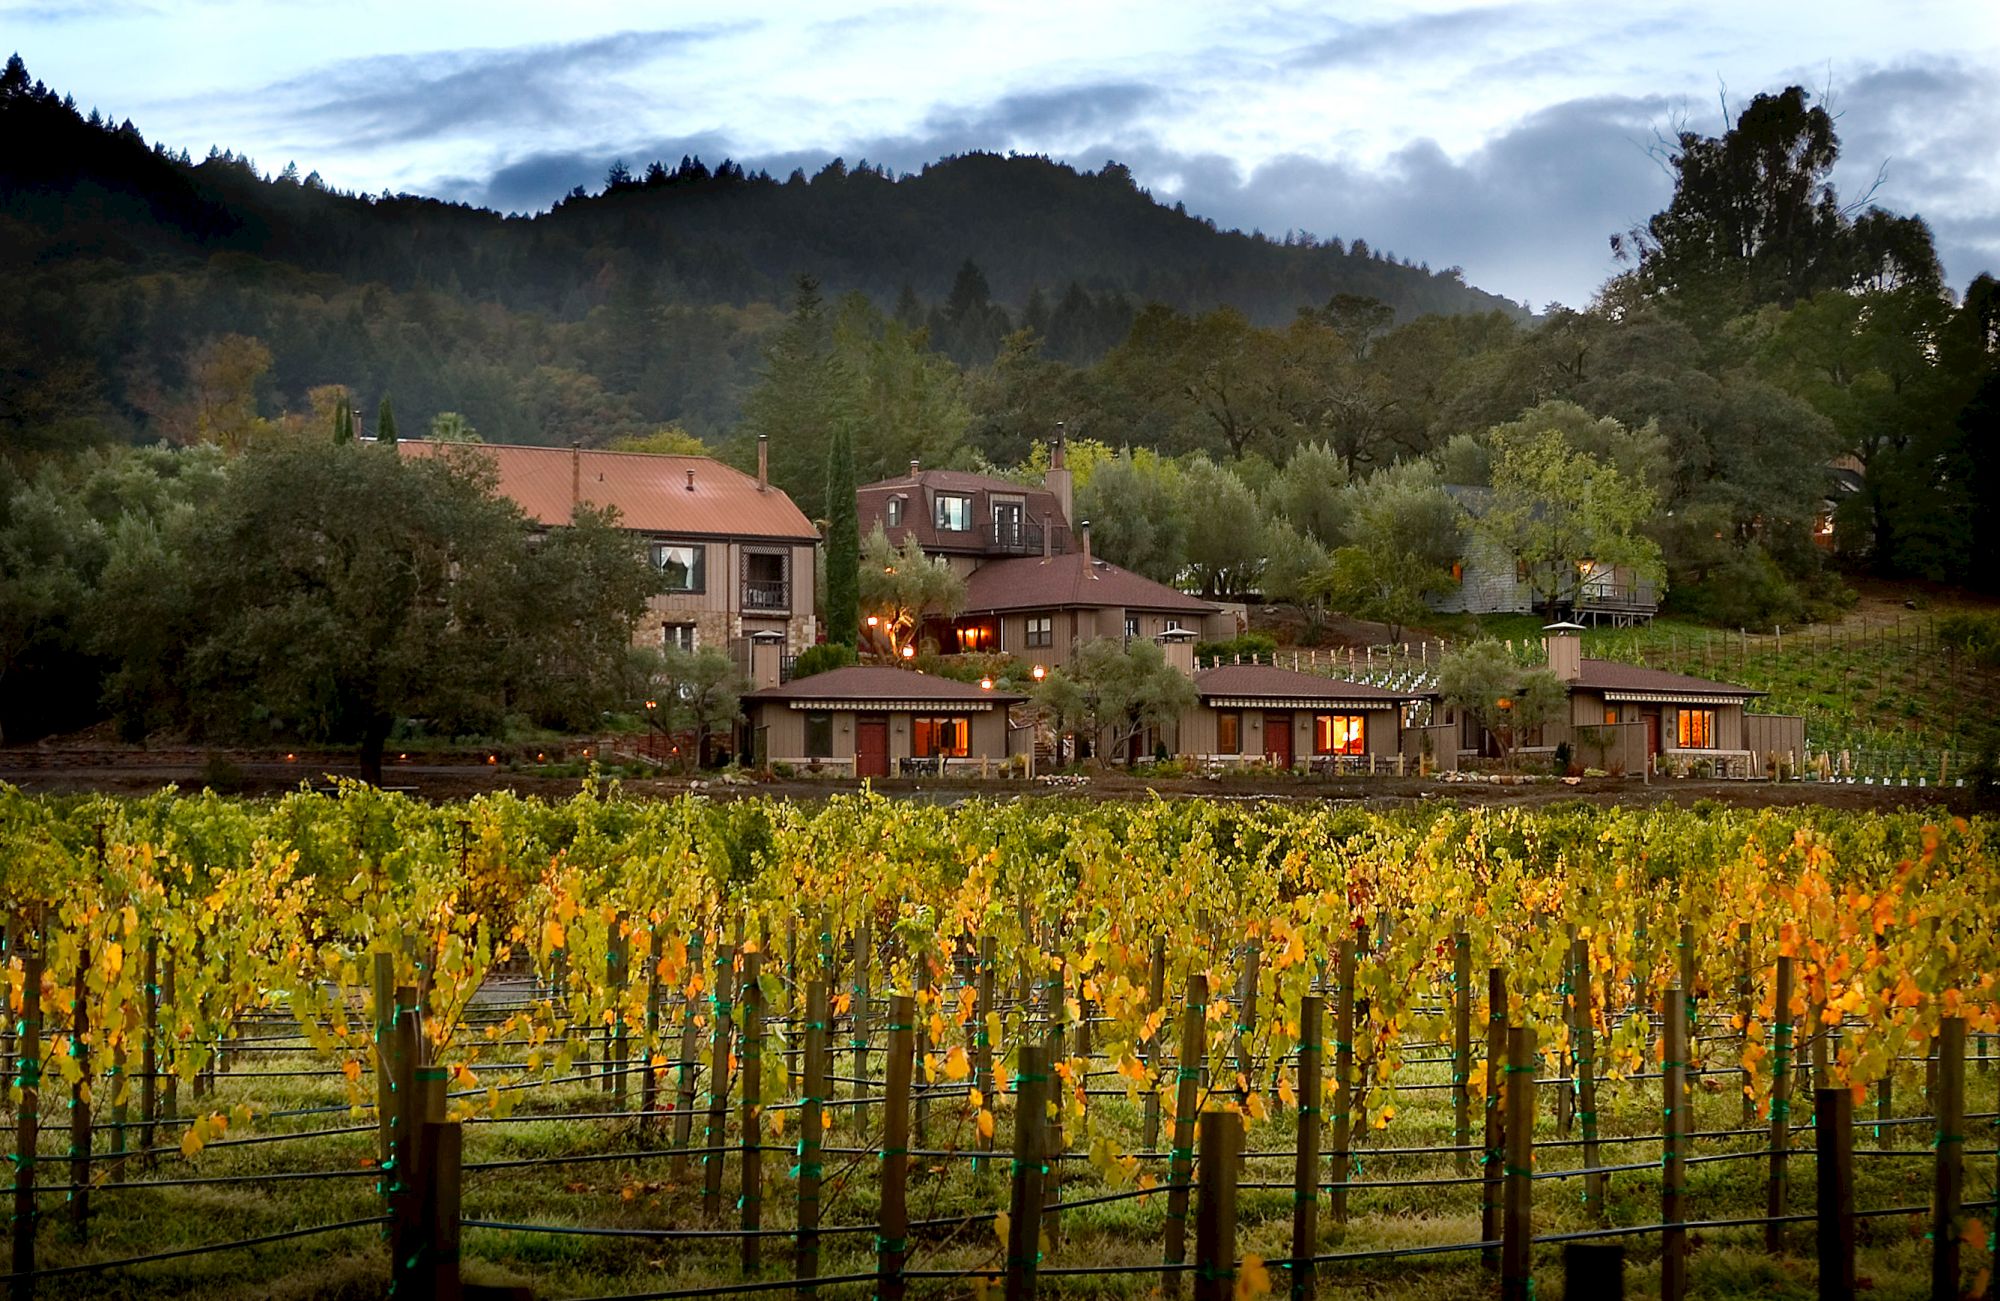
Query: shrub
pixel 821 658
pixel 1261 644
pixel 1974 633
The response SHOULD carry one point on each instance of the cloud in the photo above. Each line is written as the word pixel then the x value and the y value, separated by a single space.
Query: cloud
pixel 399 99
pixel 77 11
pixel 1358 44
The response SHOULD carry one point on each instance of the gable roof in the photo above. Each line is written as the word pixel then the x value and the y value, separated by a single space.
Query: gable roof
pixel 650 492
pixel 1071 581
pixel 1635 682
pixel 1041 508
pixel 883 686
pixel 1268 684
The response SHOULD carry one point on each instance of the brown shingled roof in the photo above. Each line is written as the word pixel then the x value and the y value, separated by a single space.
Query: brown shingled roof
pixel 882 682
pixel 1252 681
pixel 650 492
pixel 920 493
pixel 1610 675
pixel 1066 582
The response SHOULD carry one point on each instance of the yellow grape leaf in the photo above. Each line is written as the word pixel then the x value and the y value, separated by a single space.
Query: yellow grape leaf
pixel 826 1120
pixel 1252 1279
pixel 1259 1109
pixel 956 1067
pixel 552 934
pixel 240 1113
pixel 842 1003
pixel 976 1098
pixel 195 1138
pixel 937 1027
pixel 1287 1094
pixel 775 1122
pixel 985 1123
pixel 1002 1223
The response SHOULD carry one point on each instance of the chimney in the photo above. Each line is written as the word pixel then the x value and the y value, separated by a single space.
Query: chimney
pixel 763 462
pixel 1057 480
pixel 1565 651
pixel 690 478
pixel 1177 645
pixel 916 467
pixel 575 476
pixel 1083 531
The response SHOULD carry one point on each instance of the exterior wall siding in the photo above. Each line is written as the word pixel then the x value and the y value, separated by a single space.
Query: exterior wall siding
pixel 1487 584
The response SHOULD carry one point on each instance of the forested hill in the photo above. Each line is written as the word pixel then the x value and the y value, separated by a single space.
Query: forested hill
pixel 125 245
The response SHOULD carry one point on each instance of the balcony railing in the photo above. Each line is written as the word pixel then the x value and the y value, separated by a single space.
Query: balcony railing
pixel 1602 595
pixel 1014 539
pixel 767 594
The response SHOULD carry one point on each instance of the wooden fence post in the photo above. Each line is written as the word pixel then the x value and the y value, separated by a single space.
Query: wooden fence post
pixel 1024 1213
pixel 1246 1020
pixel 982 1042
pixel 382 988
pixel 617 973
pixel 1690 1016
pixel 1565 1081
pixel 1461 1049
pixel 1948 1105
pixel 1305 1169
pixel 811 1107
pixel 1743 1012
pixel 1215 1221
pixel 27 1121
pixel 1595 1270
pixel 1833 1137
pixel 149 1051
pixel 1517 1232
pixel 440 1146
pixel 1777 1191
pixel 1673 1142
pixel 714 1130
pixel 1584 1041
pixel 863 952
pixel 79 1097
pixel 677 1166
pixel 892 1247
pixel 1343 1092
pixel 752 1205
pixel 1187 1097
pixel 649 1079
pixel 1156 993
pixel 1494 1158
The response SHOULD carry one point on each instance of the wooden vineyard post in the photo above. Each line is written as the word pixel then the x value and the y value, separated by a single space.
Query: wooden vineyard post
pixel 750 1128
pixel 1565 1082
pixel 121 1093
pixel 714 1129
pixel 1305 1169
pixel 1743 1012
pixel 618 1044
pixel 1948 1105
pixel 677 1168
pixel 790 1011
pixel 812 1104
pixel 1156 993
pixel 1215 1221
pixel 649 1079
pixel 893 1247
pixel 1595 1270
pixel 863 951
pixel 441 1154
pixel 1584 1038
pixel 79 1099
pixel 382 987
pixel 924 1049
pixel 1517 1228
pixel 149 1051
pixel 1833 1138
pixel 1053 1137
pixel 1494 1158
pixel 170 1087
pixel 982 1042
pixel 1343 1073
pixel 1461 1050
pixel 421 1111
pixel 1777 1192
pixel 1690 1015
pixel 27 1120
pixel 1187 1097
pixel 1024 1254
pixel 1673 1155
pixel 1246 1021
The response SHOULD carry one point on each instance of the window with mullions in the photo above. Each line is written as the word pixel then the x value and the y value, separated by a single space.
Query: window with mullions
pixel 683 567
pixel 931 738
pixel 1697 729
pixel 954 514
pixel 1229 733
pixel 1041 631
pixel 819 736
pixel 1340 734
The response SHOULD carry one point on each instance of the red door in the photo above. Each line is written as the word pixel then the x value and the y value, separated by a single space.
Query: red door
pixel 871 745
pixel 1652 717
pixel 1278 740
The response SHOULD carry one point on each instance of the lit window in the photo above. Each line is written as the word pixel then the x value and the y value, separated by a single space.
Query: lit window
pixel 1131 627
pixel 677 636
pixel 1229 734
pixel 683 567
pixel 954 514
pixel 1697 729
pixel 1340 734
pixel 1610 715
pixel 1173 625
pixel 934 737
pixel 1041 630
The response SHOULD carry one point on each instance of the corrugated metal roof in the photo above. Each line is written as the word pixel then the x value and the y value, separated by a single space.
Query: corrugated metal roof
pixel 1269 682
pixel 1066 582
pixel 650 492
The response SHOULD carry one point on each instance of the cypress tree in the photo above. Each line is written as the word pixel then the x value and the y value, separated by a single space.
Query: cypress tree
pixel 343 422
pixel 843 540
pixel 385 424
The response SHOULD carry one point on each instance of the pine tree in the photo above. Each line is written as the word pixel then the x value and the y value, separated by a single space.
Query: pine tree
pixel 343 421
pixel 385 424
pixel 843 540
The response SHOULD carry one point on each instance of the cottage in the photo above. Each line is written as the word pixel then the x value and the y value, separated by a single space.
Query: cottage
pixel 736 555
pixel 968 520
pixel 1488 580
pixel 872 721
pixel 1287 717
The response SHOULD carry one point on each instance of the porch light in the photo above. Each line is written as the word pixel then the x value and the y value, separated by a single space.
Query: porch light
pixel 493 758
pixel 986 684
pixel 1040 673
pixel 1505 702
pixel 873 621
pixel 909 652
pixel 652 704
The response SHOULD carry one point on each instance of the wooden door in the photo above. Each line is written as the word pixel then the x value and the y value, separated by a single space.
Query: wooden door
pixel 1652 718
pixel 871 745
pixel 1278 740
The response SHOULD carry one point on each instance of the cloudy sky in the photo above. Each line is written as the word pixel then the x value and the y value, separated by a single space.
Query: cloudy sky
pixel 1506 138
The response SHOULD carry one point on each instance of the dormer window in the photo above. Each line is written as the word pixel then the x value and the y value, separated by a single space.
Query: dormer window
pixel 954 513
pixel 894 515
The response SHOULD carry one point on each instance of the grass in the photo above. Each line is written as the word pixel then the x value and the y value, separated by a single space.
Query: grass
pixel 640 1193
